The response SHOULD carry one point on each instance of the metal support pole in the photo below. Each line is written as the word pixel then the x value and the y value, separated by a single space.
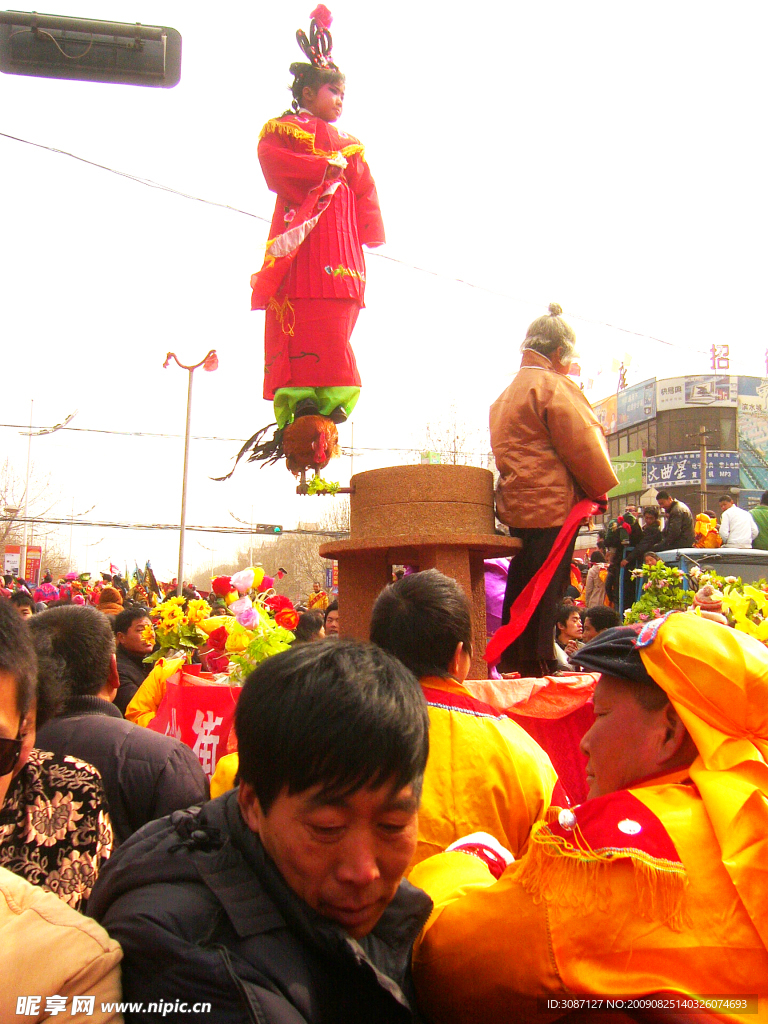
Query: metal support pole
pixel 182 527
pixel 703 466
pixel 23 565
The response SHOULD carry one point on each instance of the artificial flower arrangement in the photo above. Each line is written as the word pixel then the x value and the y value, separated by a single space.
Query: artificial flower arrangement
pixel 257 624
pixel 663 591
pixel 744 606
pixel 177 631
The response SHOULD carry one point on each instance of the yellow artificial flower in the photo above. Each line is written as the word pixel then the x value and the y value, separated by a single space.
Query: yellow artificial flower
pixel 148 634
pixel 197 611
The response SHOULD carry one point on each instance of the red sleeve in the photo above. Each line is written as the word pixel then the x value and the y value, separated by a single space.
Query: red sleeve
pixel 289 172
pixel 360 180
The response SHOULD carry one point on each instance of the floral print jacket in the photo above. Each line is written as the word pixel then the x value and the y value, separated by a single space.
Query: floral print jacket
pixel 54 826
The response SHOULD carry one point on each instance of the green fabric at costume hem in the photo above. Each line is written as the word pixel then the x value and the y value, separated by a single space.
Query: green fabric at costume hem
pixel 327 399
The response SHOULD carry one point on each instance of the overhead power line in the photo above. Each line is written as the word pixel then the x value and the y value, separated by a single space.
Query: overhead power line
pixel 379 255
pixel 68 521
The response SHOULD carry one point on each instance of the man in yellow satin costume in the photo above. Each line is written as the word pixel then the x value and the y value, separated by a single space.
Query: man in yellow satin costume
pixel 484 771
pixel 658 883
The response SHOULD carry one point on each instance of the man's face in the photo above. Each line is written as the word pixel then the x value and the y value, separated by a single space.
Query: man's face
pixel 572 630
pixel 589 632
pixel 724 506
pixel 665 503
pixel 24 611
pixel 345 858
pixel 9 723
pixel 332 624
pixel 316 587
pixel 133 640
pixel 623 743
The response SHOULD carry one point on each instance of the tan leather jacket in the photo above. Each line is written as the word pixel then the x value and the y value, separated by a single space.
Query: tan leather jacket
pixel 49 950
pixel 549 447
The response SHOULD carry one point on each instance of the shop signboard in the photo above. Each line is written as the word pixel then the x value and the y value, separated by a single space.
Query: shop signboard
pixel 753 432
pixel 636 404
pixel 32 568
pixel 607 414
pixel 629 469
pixel 676 469
pixel 697 392
pixel 12 559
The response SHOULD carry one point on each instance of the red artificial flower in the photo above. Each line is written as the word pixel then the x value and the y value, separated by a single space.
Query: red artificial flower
pixel 218 638
pixel 222 586
pixel 322 16
pixel 211 361
pixel 277 603
pixel 218 662
pixel 288 618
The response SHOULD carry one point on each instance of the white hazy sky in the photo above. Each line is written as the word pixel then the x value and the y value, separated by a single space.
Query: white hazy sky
pixel 609 157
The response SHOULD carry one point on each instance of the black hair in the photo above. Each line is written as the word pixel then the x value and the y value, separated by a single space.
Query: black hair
pixel 602 617
pixel 19 598
pixel 597 557
pixel 308 76
pixel 80 642
pixel 663 495
pixel 17 656
pixel 332 607
pixel 564 612
pixel 764 498
pixel 726 497
pixel 339 714
pixel 421 619
pixel 310 624
pixel 122 622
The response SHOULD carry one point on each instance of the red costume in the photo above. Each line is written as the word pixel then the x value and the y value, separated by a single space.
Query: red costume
pixel 312 282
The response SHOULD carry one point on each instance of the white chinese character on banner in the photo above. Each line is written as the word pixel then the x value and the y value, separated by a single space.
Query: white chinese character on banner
pixel 172 728
pixel 207 741
pixel 55 1004
pixel 83 1004
pixel 28 1006
pixel 666 471
pixel 680 470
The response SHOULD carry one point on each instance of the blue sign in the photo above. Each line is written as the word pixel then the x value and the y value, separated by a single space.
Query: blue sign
pixel 636 404
pixel 676 469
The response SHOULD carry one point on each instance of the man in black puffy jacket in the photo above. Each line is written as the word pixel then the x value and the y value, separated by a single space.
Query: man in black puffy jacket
pixel 283 901
pixel 145 775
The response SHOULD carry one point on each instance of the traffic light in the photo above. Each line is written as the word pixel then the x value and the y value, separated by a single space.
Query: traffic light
pixel 267 528
pixel 50 46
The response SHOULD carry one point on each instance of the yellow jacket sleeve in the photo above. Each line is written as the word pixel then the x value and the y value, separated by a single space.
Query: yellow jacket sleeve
pixel 485 953
pixel 223 778
pixel 147 699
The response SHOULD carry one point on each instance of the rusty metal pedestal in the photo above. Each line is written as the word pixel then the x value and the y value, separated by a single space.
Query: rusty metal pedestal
pixel 435 517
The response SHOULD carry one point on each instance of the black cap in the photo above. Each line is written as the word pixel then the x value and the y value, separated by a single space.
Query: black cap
pixel 614 652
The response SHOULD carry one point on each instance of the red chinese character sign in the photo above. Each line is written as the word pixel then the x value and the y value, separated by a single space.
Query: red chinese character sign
pixel 200 713
pixel 721 357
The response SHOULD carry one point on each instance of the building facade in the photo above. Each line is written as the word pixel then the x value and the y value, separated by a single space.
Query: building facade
pixel 654 431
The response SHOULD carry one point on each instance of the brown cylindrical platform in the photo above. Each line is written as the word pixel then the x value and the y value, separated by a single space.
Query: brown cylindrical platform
pixel 436 517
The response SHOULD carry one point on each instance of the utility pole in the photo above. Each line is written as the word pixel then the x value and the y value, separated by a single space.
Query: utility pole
pixel 703 465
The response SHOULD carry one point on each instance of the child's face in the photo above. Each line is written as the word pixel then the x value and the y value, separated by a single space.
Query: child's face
pixel 325 103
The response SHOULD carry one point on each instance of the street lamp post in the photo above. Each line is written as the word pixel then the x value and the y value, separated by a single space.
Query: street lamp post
pixel 209 363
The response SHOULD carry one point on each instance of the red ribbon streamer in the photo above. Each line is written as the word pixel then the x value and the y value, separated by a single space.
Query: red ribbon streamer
pixel 526 602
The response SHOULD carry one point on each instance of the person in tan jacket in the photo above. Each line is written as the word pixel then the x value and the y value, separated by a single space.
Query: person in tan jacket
pixel 51 957
pixel 551 453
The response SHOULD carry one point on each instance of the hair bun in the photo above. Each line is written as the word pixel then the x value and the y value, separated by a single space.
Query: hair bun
pixel 555 310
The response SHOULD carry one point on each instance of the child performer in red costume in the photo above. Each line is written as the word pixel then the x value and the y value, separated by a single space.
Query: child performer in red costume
pixel 312 282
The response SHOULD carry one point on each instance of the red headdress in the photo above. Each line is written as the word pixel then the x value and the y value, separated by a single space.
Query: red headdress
pixel 318 47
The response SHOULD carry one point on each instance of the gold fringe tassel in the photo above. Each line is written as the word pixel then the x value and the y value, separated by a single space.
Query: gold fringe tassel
pixel 575 875
pixel 289 128
pixel 284 314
